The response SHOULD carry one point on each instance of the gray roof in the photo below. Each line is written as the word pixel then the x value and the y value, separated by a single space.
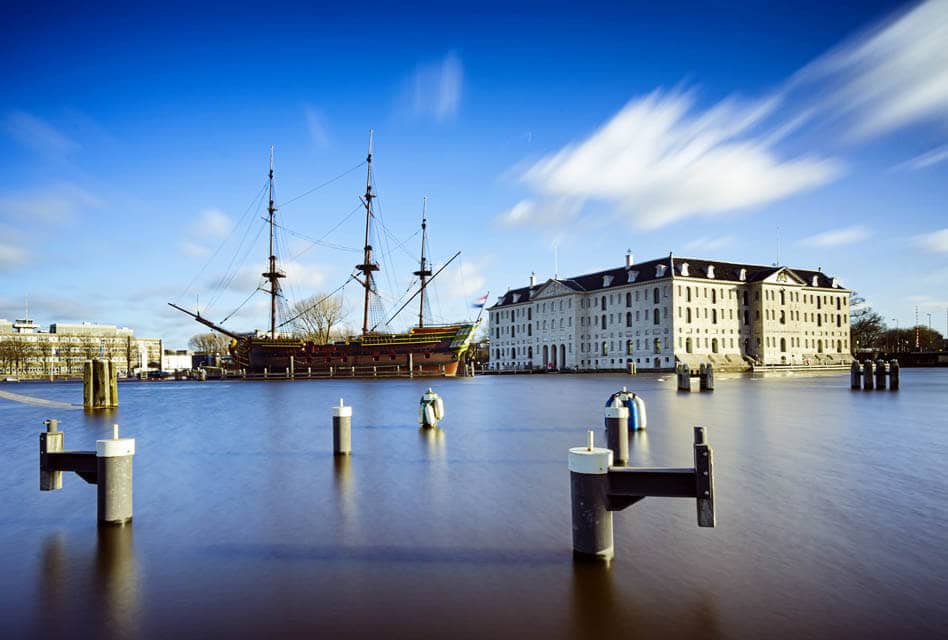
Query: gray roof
pixel 697 268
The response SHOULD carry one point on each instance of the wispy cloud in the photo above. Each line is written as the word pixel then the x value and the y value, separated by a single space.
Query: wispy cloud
pixel 11 257
pixel 837 237
pixel 38 135
pixel 936 241
pixel 891 76
pixel 317 127
pixel 55 204
pixel 552 211
pixel 706 243
pixel 212 226
pixel 662 158
pixel 925 160
pixel 435 88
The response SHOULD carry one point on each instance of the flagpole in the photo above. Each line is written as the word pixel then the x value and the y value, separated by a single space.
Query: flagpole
pixel 481 312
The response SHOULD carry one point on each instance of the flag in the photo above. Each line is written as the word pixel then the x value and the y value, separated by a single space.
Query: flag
pixel 479 304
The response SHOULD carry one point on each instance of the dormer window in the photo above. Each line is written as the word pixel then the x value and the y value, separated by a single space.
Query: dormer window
pixel 835 283
pixel 606 281
pixel 816 281
pixel 711 271
pixel 516 297
pixel 683 268
pixel 632 276
pixel 742 276
pixel 660 270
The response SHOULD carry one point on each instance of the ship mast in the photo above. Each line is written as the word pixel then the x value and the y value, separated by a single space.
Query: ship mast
pixel 272 275
pixel 367 266
pixel 423 272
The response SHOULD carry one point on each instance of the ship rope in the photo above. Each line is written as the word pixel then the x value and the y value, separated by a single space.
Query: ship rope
pixel 320 186
pixel 253 206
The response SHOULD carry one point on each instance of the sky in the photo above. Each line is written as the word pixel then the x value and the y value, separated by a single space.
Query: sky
pixel 547 137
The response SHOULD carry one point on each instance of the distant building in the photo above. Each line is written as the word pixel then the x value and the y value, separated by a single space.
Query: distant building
pixel 669 310
pixel 176 360
pixel 27 351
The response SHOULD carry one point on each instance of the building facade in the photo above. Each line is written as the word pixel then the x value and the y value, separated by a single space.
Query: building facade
pixel 27 351
pixel 658 313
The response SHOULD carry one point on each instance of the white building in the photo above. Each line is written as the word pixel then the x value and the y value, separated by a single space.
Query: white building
pixel 661 312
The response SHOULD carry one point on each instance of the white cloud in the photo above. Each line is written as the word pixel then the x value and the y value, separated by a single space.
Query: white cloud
pixel 549 212
pixel 38 135
pixel 194 249
pixel 316 125
pixel 925 160
pixel 659 160
pixel 11 257
pixel 435 89
pixel 706 243
pixel 54 204
pixel 889 77
pixel 213 224
pixel 837 237
pixel 936 241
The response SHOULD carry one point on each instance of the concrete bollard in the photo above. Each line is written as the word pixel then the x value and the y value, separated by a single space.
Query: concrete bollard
pixel 109 467
pixel 291 373
pixel 617 433
pixel 430 409
pixel 855 376
pixel 87 384
pixel 894 374
pixel 114 471
pixel 50 442
pixel 589 495
pixel 684 377
pixel 880 375
pixel 597 488
pixel 341 430
pixel 868 376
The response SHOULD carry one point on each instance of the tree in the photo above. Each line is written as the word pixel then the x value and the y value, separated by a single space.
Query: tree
pixel 209 343
pixel 866 327
pixel 318 318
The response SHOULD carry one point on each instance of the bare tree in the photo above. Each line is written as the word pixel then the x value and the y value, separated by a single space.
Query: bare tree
pixel 319 318
pixel 209 343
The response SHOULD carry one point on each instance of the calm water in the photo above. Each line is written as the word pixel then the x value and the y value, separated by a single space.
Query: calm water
pixel 832 513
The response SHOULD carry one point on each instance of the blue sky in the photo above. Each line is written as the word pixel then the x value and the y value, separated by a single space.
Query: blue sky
pixel 546 136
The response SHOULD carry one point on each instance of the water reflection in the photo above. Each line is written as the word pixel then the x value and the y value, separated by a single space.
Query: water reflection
pixel 434 438
pixel 89 591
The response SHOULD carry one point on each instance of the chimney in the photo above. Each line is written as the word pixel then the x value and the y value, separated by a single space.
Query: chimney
pixel 629 259
pixel 533 279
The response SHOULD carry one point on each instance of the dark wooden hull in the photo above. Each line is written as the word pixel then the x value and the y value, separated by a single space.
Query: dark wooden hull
pixel 428 351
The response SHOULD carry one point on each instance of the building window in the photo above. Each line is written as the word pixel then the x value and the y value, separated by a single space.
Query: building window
pixel 603 303
pixel 628 347
pixel 655 295
pixel 658 345
pixel 656 315
pixel 688 314
pixel 687 294
pixel 604 321
pixel 605 348
pixel 714 316
pixel 714 345
pixel 783 316
pixel 628 298
pixel 688 348
pixel 714 296
pixel 628 318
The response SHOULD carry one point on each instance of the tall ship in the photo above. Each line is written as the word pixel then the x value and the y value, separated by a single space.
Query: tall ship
pixel 423 350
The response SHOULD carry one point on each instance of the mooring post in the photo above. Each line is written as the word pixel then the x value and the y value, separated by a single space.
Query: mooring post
pixel 880 375
pixel 617 433
pixel 684 377
pixel 341 430
pixel 292 370
pixel 706 382
pixel 411 365
pixel 109 467
pixel 589 497
pixel 114 469
pixel 113 384
pixel 855 376
pixel 87 400
pixel 597 488
pixel 894 374
pixel 50 442
pixel 868 376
